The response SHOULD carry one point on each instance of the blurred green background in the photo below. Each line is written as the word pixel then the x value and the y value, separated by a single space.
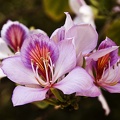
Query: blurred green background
pixel 49 15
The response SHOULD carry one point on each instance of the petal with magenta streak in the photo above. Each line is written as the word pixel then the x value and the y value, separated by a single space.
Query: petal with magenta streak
pixel 14 33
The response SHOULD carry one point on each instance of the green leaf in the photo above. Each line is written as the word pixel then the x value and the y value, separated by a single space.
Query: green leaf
pixel 95 3
pixel 57 94
pixel 41 104
pixel 113 31
pixel 56 8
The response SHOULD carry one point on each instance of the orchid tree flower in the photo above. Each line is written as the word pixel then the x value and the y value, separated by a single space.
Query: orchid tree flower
pixel 13 35
pixel 84 13
pixel 103 66
pixel 84 37
pixel 43 65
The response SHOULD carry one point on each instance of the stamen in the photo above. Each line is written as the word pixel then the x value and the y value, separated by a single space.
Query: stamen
pixel 32 65
pixel 108 73
pixel 46 71
pixel 18 49
pixel 40 81
pixel 51 67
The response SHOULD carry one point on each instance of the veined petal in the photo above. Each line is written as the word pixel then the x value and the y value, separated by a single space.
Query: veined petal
pixel 80 59
pixel 102 52
pixel 4 50
pixel 14 33
pixel 17 72
pixel 112 75
pixel 78 80
pixel 23 95
pixel 36 47
pixel 113 89
pixel 58 35
pixel 92 92
pixel 114 54
pixel 85 37
pixel 66 60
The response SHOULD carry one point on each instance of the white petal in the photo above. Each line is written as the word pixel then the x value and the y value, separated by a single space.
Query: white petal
pixel 4 50
pixel 76 4
pixel 104 104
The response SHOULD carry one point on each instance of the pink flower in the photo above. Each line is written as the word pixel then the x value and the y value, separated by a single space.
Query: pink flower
pixel 103 66
pixel 43 65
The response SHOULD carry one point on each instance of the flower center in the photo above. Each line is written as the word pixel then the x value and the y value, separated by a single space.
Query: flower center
pixel 41 62
pixel 39 53
pixel 101 65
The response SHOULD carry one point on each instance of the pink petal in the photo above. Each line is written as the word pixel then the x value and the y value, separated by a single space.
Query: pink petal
pixel 58 35
pixel 85 37
pixel 36 31
pixel 78 80
pixel 14 33
pixel 111 76
pixel 113 89
pixel 69 22
pixel 80 59
pixel 54 35
pixel 23 95
pixel 66 60
pixel 102 52
pixel 92 92
pixel 17 72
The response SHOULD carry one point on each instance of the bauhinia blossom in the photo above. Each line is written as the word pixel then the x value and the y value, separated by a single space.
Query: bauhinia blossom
pixel 42 65
pixel 84 13
pixel 103 65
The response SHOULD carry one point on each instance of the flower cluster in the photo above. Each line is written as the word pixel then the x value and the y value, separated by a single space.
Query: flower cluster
pixel 60 68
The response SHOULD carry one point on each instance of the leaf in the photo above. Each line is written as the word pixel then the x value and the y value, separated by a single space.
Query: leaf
pixel 41 104
pixel 57 94
pixel 113 31
pixel 56 8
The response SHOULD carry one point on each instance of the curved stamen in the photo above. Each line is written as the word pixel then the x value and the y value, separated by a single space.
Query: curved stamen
pixel 51 68
pixel 46 71
pixel 35 71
